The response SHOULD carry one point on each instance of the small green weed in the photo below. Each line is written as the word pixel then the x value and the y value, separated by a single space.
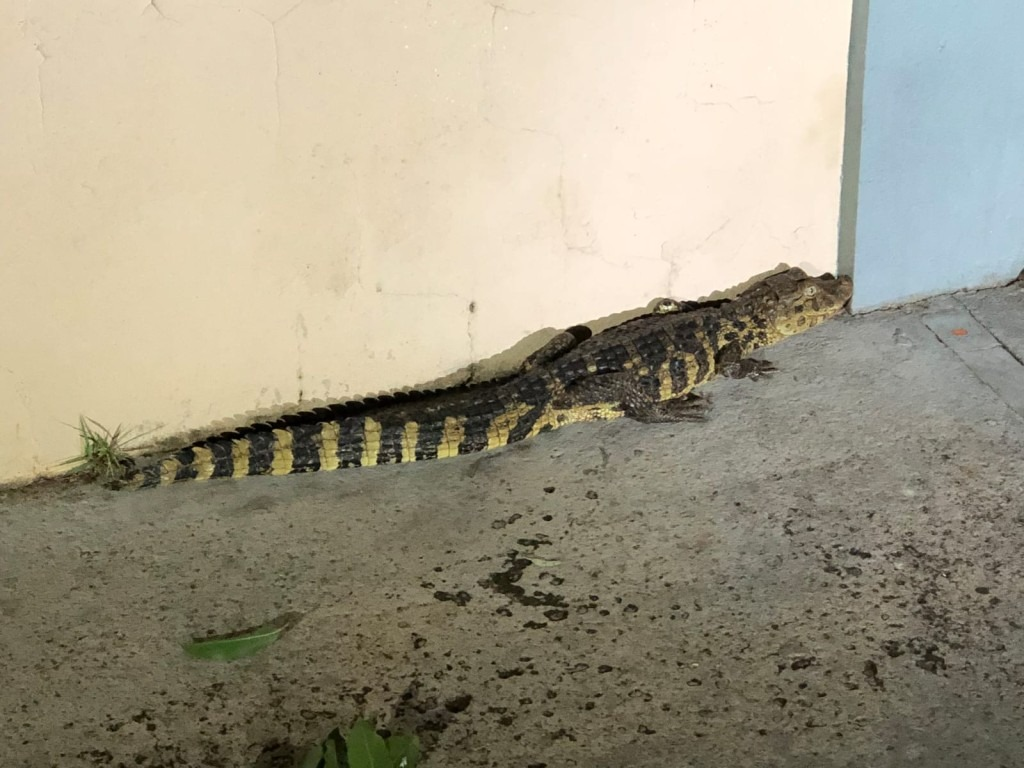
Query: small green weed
pixel 363 747
pixel 104 456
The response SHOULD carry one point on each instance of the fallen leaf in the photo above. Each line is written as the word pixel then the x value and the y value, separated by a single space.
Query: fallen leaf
pixel 313 757
pixel 237 645
pixel 365 747
pixel 331 755
pixel 404 751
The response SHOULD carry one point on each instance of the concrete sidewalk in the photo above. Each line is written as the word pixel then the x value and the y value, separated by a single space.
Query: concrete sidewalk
pixel 828 572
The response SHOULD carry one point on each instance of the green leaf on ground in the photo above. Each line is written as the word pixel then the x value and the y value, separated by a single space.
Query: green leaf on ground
pixel 313 757
pixel 237 645
pixel 366 749
pixel 404 751
pixel 331 755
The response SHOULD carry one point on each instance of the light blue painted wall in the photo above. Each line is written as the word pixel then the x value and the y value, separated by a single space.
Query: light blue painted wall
pixel 939 181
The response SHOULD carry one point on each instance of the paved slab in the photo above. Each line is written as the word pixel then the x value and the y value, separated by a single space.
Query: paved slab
pixel 999 311
pixel 826 573
pixel 996 363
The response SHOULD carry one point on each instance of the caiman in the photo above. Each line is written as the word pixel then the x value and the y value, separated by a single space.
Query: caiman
pixel 644 369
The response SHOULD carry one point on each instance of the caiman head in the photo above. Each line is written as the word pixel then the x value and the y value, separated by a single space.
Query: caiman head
pixel 792 301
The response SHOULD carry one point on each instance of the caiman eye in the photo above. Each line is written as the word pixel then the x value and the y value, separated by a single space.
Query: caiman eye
pixel 810 290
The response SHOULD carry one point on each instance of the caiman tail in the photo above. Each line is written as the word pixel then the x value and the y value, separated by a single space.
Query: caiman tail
pixel 480 419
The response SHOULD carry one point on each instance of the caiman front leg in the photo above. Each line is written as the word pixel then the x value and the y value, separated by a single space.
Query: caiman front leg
pixel 642 402
pixel 730 362
pixel 690 407
pixel 636 396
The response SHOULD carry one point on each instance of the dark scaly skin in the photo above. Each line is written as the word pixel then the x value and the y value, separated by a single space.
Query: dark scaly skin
pixel 645 369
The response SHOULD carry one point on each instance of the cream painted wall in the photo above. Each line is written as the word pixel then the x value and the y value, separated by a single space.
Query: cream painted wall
pixel 211 208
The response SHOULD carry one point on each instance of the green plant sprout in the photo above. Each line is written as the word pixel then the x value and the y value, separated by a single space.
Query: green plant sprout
pixel 104 455
pixel 363 747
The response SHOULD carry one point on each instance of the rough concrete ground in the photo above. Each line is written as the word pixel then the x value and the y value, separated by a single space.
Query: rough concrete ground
pixel 826 573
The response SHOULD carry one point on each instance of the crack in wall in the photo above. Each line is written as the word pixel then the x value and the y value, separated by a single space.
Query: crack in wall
pixel 471 371
pixel 715 231
pixel 277 80
pixel 25 401
pixel 472 367
pixel 276 47
pixel 673 267
pixel 277 70
pixel 37 46
pixel 39 86
pixel 156 7
pixel 588 248
pixel 673 259
pixel 495 9
pixel 301 334
pixel 731 102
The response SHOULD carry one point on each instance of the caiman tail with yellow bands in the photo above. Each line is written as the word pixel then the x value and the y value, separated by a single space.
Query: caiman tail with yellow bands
pixel 645 369
pixel 457 422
